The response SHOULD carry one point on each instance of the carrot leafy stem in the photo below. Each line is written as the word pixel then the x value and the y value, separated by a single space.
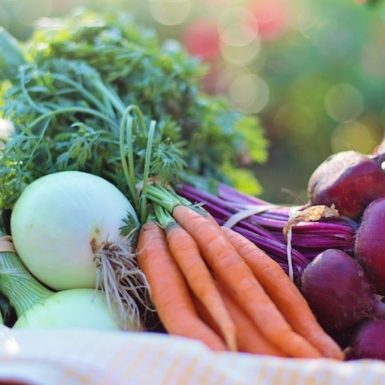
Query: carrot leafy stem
pixel 66 94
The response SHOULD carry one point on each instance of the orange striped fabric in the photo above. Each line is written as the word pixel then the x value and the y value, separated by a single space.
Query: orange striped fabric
pixel 78 357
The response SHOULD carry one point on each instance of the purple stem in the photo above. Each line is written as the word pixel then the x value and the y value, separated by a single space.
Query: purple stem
pixel 313 241
pixel 230 194
pixel 272 246
pixel 222 214
pixel 273 218
pixel 280 212
pixel 265 229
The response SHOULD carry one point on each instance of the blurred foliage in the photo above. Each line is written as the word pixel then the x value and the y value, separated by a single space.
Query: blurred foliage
pixel 312 71
pixel 69 102
pixel 342 47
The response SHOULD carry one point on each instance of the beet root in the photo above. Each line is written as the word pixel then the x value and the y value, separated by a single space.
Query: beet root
pixel 370 244
pixel 368 341
pixel 338 291
pixel 349 180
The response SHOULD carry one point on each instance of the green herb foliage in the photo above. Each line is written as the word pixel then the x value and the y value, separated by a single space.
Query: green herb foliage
pixel 76 77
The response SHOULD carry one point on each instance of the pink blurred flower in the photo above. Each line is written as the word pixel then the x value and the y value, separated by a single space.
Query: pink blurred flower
pixel 201 39
pixel 270 17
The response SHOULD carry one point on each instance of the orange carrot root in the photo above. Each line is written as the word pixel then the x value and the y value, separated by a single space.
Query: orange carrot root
pixel 249 338
pixel 169 290
pixel 187 256
pixel 238 278
pixel 284 294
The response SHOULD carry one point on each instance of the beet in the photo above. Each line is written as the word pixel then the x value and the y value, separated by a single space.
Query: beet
pixel 349 180
pixel 343 337
pixel 368 341
pixel 370 244
pixel 338 291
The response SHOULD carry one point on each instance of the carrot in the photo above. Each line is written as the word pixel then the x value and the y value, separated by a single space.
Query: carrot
pixel 169 290
pixel 284 294
pixel 249 338
pixel 233 271
pixel 187 256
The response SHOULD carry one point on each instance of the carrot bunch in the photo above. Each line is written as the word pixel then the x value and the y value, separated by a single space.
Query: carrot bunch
pixel 212 284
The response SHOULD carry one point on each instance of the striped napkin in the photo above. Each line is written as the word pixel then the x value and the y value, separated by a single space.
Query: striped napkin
pixel 79 357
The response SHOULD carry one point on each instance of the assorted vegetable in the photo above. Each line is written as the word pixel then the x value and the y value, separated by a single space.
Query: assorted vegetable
pixel 109 224
pixel 266 225
pixel 67 224
pixel 186 254
pixel 38 307
pixel 349 180
pixel 169 290
pixel 62 221
pixel 246 281
pixel 369 245
pixel 336 261
pixel 339 292
pixel 68 99
pixel 284 294
pixel 369 341
pixel 249 337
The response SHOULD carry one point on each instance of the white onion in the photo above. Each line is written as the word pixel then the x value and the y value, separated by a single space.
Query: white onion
pixel 76 308
pixel 59 223
pixel 38 307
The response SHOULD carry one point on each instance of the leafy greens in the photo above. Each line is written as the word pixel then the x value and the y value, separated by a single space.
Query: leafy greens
pixel 75 78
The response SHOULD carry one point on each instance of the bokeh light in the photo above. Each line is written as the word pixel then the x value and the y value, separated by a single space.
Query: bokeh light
pixel 344 102
pixel 354 135
pixel 235 27
pixel 312 70
pixel 240 43
pixel 302 17
pixel 249 93
pixel 271 17
pixel 170 12
pixel 241 55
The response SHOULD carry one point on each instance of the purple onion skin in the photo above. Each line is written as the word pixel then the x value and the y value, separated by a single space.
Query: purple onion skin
pixel 370 244
pixel 338 291
pixel 368 342
pixel 349 180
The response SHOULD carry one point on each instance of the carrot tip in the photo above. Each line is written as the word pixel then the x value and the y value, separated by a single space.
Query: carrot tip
pixel 231 342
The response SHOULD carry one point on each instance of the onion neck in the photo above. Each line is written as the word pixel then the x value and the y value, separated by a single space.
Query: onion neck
pixel 21 288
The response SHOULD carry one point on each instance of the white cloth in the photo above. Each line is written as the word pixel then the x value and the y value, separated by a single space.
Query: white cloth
pixel 79 357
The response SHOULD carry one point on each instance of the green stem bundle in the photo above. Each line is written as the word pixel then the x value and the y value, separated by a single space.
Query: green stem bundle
pixel 19 286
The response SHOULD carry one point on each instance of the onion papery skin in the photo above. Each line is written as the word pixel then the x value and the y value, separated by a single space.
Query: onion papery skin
pixel 59 223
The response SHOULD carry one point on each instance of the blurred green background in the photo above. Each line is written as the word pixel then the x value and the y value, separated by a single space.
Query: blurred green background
pixel 313 71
